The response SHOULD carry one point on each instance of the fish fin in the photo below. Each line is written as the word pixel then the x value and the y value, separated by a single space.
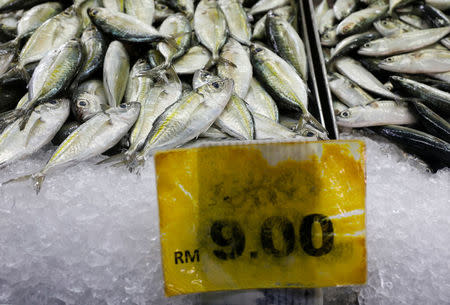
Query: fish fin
pixel 36 123
pixel 23 73
pixel 25 117
pixel 226 62
pixel 309 119
pixel 38 180
pixel 118 157
pixel 19 179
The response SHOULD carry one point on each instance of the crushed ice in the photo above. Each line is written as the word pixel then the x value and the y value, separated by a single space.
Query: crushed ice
pixel 91 236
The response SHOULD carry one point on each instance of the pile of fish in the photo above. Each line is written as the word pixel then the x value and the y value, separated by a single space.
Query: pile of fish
pixel 389 65
pixel 126 78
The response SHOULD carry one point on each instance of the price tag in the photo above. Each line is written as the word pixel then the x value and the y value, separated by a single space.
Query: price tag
pixel 266 215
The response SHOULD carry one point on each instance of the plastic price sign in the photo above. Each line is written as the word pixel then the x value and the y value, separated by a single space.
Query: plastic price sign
pixel 265 215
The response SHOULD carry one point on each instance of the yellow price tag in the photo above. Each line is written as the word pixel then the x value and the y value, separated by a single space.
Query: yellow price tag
pixel 265 215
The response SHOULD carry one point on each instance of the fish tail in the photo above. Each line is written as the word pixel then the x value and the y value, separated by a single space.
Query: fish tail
pixel 113 159
pixel 312 121
pixel 38 180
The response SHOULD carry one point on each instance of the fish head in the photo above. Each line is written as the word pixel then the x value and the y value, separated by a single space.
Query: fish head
pixel 348 116
pixel 126 112
pixel 54 108
pixel 366 48
pixel 85 106
pixel 202 77
pixel 329 38
pixel 217 91
pixel 393 62
pixel 386 26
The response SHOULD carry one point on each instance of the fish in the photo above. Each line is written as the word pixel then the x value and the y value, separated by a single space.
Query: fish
pixel 35 17
pixel 377 113
pixel 259 29
pixel 287 43
pixel 183 6
pixel 94 47
pixel 263 6
pixel 362 20
pixel 437 99
pixel 434 124
pixel 266 128
pixel 124 27
pixel 210 27
pixel 240 70
pixel 389 27
pixel 92 138
pixel 187 118
pixel 88 100
pixel 143 10
pixel 352 42
pixel 196 58
pixel 434 151
pixel 422 61
pixel 45 121
pixel 348 92
pixel 237 20
pixel 406 42
pixel 343 8
pixel 260 102
pixel 359 75
pixel 12 5
pixel 116 68
pixel 162 11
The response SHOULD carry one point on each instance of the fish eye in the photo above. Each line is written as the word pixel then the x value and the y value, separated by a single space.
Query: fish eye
pixel 384 22
pixel 82 103
pixel 53 102
pixel 310 134
pixel 345 114
pixel 93 12
pixel 326 36
pixel 389 59
pixel 216 85
pixel 123 106
pixel 258 50
pixel 366 45
pixel 162 7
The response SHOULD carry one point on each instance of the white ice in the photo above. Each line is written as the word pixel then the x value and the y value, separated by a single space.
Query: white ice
pixel 91 236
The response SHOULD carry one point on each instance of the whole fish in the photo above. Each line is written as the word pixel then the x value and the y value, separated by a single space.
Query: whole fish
pixel 287 43
pixel 94 46
pixel 422 61
pixel 124 27
pixel 141 9
pixel 348 92
pixel 362 20
pixel 434 151
pixel 116 68
pixel 236 119
pixel 407 42
pixel 45 121
pixel 358 74
pixel 210 26
pixel 52 34
pixel 35 17
pixel 237 20
pixel 259 101
pixel 240 71
pixel 435 124
pixel 88 100
pixel 53 74
pixel 435 98
pixel 377 113
pixel 176 25
pixel 187 118
pixel 92 138
pixel 282 82
pixel 195 59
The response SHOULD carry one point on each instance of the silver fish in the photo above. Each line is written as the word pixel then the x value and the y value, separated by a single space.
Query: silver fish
pixel 348 92
pixel 263 6
pixel 259 29
pixel 377 113
pixel 423 61
pixel 266 128
pixel 195 59
pixel 241 72
pixel 407 42
pixel 361 20
pixel 45 121
pixel 389 27
pixel 141 9
pixel 115 72
pixel 210 27
pixel 36 16
pixel 259 101
pixel 237 20
pixel 358 74
pixel 88 100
